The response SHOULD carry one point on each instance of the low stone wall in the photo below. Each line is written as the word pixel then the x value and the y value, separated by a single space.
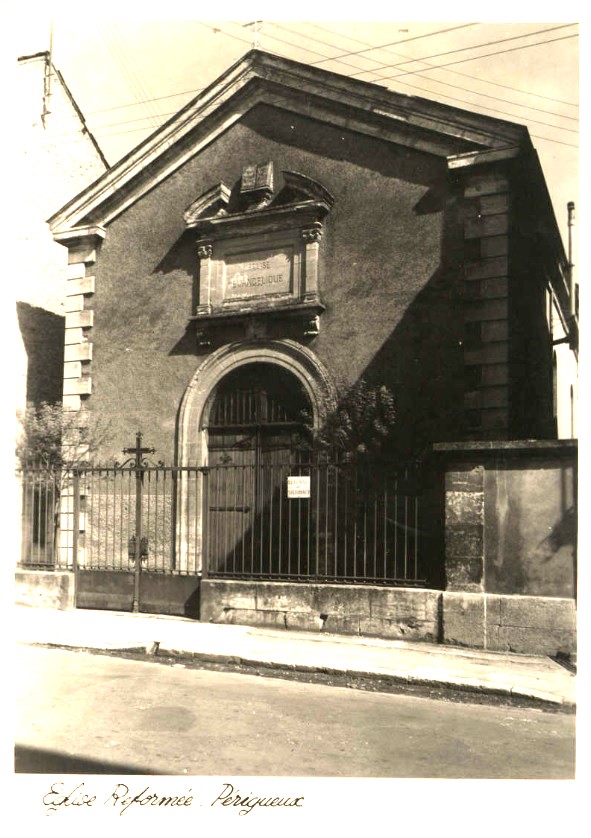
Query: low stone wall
pixel 526 624
pixel 401 613
pixel 523 624
pixel 45 589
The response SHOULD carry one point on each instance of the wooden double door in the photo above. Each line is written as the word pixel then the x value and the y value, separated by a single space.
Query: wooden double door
pixel 257 438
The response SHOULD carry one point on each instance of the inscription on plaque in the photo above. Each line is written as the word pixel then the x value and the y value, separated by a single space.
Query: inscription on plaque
pixel 258 274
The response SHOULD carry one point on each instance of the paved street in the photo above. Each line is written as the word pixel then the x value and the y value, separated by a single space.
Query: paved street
pixel 84 713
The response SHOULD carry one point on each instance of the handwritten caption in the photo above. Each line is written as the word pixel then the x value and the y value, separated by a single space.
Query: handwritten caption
pixel 123 799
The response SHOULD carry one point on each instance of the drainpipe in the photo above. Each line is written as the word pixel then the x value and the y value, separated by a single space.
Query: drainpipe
pixel 571 268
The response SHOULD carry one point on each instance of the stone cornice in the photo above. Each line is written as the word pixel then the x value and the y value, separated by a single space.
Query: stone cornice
pixel 268 219
pixel 261 78
pixel 73 235
pixel 479 158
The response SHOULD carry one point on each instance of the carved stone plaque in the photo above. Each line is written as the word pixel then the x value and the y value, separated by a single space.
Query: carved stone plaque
pixel 258 274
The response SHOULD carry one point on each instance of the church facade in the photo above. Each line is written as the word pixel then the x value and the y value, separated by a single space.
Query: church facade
pixel 287 237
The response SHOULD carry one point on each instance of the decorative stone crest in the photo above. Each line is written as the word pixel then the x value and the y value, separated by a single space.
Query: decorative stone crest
pixel 205 250
pixel 313 234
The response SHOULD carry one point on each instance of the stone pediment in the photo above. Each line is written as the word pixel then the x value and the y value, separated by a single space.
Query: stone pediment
pixel 222 207
pixel 260 78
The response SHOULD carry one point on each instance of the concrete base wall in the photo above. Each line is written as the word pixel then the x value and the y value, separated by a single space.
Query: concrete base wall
pixel 45 589
pixel 526 624
pixel 402 613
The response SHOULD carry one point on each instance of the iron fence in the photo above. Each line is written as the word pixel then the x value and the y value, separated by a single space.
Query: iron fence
pixel 344 524
pixel 341 523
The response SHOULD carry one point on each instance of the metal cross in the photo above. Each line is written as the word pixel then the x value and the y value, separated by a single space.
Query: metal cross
pixel 138 451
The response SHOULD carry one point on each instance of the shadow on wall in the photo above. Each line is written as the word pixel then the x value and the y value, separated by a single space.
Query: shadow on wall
pixel 422 359
pixel 43 338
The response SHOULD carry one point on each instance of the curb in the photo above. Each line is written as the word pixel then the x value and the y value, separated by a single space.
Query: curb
pixel 404 679
pixel 473 687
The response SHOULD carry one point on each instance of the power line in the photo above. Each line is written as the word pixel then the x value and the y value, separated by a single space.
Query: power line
pixel 144 128
pixel 119 54
pixel 455 86
pixel 456 72
pixel 134 104
pixel 402 41
pixel 422 70
pixel 476 46
pixel 487 55
pixel 462 101
pixel 514 104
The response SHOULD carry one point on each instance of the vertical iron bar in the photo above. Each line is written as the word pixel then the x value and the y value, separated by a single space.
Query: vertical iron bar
pixel 236 515
pixel 205 524
pixel 416 501
pixel 282 493
pixel 385 500
pixel 273 481
pixel 75 531
pixel 375 535
pixel 364 536
pixel 308 526
pixel 396 525
pixel 336 519
pixel 37 512
pixel 355 517
pixel 406 523
pixel 138 534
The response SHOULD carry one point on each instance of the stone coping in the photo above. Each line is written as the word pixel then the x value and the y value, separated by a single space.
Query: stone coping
pixel 536 447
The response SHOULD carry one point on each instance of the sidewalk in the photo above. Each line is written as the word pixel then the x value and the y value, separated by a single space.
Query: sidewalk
pixel 493 673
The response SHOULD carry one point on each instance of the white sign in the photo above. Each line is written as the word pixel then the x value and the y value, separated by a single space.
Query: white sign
pixel 298 487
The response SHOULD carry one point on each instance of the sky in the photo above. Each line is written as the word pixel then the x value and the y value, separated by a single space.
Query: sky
pixel 130 74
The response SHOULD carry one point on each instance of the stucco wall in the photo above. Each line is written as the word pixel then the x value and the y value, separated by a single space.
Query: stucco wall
pixel 389 311
pixel 530 528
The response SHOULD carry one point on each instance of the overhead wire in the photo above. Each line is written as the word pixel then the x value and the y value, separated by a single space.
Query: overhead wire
pixel 415 72
pixel 228 34
pixel 487 55
pixel 463 101
pixel 468 90
pixel 135 86
pixel 457 86
pixel 474 46
pixel 478 78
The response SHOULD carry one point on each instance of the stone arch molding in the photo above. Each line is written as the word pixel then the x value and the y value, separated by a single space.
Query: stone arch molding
pixel 291 356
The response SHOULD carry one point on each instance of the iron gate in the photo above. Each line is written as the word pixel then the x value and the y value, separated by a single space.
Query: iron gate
pixel 138 530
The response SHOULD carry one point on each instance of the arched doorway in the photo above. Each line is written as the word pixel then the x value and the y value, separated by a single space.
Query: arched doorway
pixel 289 378
pixel 258 432
pixel 259 414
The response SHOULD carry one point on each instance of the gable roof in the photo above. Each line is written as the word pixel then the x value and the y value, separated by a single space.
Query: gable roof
pixel 261 78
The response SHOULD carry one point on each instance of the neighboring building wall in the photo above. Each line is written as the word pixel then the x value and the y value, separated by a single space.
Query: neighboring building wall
pixel 510 545
pixel 60 158
pixel 565 378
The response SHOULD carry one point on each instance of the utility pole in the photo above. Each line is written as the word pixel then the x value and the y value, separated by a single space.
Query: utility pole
pixel 47 74
pixel 256 28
